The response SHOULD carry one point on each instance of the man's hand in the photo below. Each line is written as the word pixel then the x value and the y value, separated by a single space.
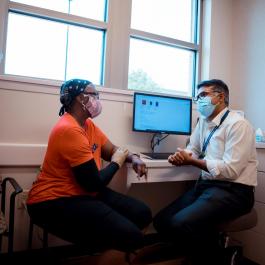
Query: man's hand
pixel 180 158
pixel 139 167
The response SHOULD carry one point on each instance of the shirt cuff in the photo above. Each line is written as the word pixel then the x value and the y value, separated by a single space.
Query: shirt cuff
pixel 212 167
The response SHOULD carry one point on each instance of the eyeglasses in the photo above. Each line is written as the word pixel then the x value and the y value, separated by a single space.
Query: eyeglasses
pixel 203 95
pixel 93 94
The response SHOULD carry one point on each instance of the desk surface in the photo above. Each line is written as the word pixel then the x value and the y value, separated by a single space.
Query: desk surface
pixel 162 171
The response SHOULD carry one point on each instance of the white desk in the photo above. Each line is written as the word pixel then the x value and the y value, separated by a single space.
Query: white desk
pixel 162 171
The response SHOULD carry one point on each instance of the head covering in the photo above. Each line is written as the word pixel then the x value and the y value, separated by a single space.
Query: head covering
pixel 70 90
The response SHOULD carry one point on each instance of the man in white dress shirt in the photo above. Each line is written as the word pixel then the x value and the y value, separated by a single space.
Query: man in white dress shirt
pixel 223 147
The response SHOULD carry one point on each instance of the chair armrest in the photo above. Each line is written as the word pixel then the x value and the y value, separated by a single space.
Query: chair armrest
pixel 17 189
pixel 14 184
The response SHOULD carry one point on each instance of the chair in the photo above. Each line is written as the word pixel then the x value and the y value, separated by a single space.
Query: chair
pixel 8 227
pixel 243 222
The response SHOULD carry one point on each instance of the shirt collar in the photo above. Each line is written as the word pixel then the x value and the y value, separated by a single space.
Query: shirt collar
pixel 217 119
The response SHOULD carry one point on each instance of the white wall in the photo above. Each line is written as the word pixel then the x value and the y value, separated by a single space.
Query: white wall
pixel 217 40
pixel 233 50
pixel 249 58
pixel 29 111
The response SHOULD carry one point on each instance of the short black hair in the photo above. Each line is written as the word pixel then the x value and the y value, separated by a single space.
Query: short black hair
pixel 218 86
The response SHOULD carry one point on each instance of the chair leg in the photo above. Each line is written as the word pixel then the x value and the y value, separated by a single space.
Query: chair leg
pixel 11 222
pixel 0 243
pixel 44 234
pixel 45 238
pixel 30 234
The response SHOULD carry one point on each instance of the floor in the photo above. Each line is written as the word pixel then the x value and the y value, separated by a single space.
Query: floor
pixel 152 255
pixel 155 255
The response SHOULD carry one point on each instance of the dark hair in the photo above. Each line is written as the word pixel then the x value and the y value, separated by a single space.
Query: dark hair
pixel 218 86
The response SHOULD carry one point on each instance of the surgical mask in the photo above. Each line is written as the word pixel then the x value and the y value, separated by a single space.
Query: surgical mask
pixel 205 106
pixel 94 107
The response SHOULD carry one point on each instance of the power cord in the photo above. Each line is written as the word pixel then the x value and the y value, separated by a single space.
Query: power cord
pixel 156 140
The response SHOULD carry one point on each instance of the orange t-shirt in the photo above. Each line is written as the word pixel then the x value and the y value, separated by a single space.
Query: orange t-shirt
pixel 69 146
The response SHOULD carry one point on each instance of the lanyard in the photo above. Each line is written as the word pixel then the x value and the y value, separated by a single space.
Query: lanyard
pixel 205 143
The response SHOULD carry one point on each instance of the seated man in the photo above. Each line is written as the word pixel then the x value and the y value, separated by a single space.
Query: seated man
pixel 223 146
pixel 70 196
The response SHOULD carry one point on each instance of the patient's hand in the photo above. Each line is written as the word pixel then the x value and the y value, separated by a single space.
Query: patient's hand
pixel 119 156
pixel 139 167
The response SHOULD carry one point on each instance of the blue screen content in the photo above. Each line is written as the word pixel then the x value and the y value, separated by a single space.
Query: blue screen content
pixel 154 113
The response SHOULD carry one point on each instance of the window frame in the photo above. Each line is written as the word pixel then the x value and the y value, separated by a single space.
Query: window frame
pixel 51 15
pixel 117 40
pixel 193 46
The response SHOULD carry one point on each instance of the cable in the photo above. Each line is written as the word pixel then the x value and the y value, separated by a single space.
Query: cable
pixel 153 143
pixel 159 140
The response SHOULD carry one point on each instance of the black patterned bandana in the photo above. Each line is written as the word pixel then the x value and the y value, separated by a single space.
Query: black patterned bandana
pixel 69 90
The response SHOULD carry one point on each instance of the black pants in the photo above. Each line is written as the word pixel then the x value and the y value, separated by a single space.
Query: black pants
pixel 191 220
pixel 109 220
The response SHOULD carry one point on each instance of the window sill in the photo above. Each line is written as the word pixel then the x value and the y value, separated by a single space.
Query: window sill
pixel 34 85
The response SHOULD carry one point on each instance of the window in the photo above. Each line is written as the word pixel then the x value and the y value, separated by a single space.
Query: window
pixel 50 46
pixel 163 69
pixel 163 46
pixel 94 9
pixel 141 45
pixel 170 18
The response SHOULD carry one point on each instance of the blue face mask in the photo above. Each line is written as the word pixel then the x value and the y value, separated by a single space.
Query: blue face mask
pixel 205 106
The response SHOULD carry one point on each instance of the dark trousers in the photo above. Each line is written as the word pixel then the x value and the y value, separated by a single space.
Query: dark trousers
pixel 109 220
pixel 191 220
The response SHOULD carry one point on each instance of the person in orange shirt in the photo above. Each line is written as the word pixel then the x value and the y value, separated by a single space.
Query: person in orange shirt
pixel 70 196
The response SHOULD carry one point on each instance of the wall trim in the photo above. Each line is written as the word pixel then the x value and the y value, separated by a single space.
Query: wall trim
pixel 16 154
pixel 43 86
pixel 34 85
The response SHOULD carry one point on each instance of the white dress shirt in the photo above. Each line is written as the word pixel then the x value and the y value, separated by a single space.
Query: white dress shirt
pixel 231 152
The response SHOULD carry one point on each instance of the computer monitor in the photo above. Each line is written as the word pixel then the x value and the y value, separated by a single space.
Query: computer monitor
pixel 162 114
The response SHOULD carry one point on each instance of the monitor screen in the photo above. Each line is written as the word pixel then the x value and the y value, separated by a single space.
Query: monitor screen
pixel 161 114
